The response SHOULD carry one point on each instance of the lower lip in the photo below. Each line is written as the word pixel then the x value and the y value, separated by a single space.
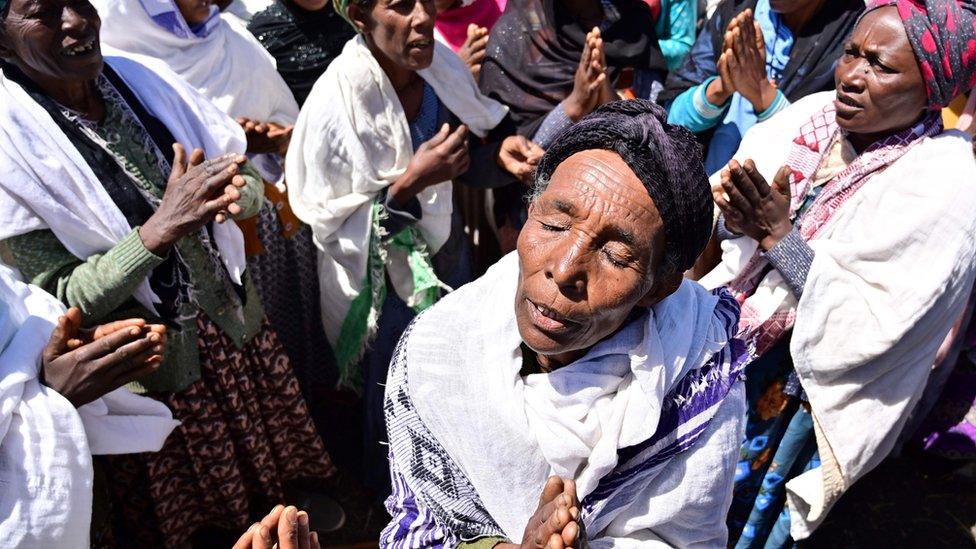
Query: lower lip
pixel 844 109
pixel 545 323
pixel 422 48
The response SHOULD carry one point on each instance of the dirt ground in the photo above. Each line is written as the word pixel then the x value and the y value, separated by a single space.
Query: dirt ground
pixel 914 500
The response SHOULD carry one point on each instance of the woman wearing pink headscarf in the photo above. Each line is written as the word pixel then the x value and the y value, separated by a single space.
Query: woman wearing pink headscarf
pixel 846 234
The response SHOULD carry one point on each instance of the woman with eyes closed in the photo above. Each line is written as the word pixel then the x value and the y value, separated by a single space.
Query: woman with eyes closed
pixel 846 230
pixel 583 358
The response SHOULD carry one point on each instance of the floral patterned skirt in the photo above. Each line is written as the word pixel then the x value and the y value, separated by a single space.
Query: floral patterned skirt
pixel 780 444
pixel 245 431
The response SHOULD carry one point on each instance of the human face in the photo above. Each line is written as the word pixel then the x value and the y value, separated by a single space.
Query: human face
pixel 587 255
pixel 401 31
pixel 787 7
pixel 194 12
pixel 312 5
pixel 880 90
pixel 53 41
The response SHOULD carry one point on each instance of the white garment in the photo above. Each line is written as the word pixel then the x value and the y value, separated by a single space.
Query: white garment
pixel 892 271
pixel 245 10
pixel 509 433
pixel 229 66
pixel 350 142
pixel 46 184
pixel 45 444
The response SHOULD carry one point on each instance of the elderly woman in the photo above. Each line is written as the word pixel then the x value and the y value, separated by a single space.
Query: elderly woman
pixel 585 356
pixel 384 132
pixel 61 402
pixel 750 61
pixel 850 217
pixel 102 210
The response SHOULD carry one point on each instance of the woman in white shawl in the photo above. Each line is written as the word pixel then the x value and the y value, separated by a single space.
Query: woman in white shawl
pixel 219 57
pixel 60 402
pixel 101 206
pixel 394 119
pixel 852 264
pixel 584 355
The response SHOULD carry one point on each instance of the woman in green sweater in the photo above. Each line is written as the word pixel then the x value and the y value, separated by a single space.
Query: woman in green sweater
pixel 102 210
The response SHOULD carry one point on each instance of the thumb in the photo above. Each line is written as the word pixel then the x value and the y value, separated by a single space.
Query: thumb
pixel 472 30
pixel 179 160
pixel 781 182
pixel 440 136
pixel 58 342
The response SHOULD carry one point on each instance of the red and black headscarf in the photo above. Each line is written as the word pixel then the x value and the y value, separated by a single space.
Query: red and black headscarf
pixel 943 36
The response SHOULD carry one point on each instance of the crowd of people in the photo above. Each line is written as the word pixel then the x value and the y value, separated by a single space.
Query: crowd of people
pixel 478 273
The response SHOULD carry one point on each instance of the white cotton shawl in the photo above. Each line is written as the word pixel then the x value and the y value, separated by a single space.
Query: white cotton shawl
pixel 351 141
pixel 509 433
pixel 45 444
pixel 892 272
pixel 46 184
pixel 228 65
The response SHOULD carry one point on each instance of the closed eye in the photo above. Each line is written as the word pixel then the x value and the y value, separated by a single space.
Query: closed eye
pixel 552 228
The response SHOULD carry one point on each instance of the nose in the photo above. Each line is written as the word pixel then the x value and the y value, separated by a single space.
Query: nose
pixel 567 266
pixel 850 75
pixel 423 13
pixel 72 21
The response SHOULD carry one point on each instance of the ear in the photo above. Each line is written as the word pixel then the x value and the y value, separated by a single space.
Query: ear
pixel 662 288
pixel 359 18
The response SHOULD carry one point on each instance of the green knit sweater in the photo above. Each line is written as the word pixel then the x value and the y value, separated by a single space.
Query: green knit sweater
pixel 102 285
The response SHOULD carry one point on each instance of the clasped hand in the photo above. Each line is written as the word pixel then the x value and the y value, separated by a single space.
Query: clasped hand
pixel 751 206
pixel 84 365
pixel 742 65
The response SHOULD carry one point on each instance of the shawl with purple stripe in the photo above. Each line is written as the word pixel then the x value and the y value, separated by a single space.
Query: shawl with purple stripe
pixel 435 503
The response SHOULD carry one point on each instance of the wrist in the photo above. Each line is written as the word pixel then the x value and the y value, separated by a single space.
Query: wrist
pixel 715 93
pixel 767 96
pixel 573 109
pixel 405 188
pixel 773 238
pixel 155 240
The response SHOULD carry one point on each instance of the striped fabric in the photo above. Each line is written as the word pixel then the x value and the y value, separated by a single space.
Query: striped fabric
pixel 433 504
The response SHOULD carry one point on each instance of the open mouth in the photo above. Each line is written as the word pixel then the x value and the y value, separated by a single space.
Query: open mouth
pixel 420 44
pixel 846 100
pixel 548 319
pixel 79 49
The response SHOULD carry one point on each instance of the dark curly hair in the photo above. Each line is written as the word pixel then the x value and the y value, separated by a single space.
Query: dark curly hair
pixel 666 158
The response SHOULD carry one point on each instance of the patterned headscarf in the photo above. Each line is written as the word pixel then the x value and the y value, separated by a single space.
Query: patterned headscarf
pixel 666 158
pixel 943 36
pixel 341 7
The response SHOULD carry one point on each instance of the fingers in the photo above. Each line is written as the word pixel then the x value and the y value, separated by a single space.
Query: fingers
pixel 553 524
pixel 110 327
pixel 288 529
pixel 130 356
pixel 555 542
pixel 179 161
pixel 108 344
pixel 313 541
pixel 263 538
pixel 570 534
pixel 757 35
pixel 781 182
pixel 458 137
pixel 303 531
pixel 220 179
pixel 440 136
pixel 58 342
pixel 552 489
pixel 196 157
pixel 245 541
pixel 758 181
pixel 734 185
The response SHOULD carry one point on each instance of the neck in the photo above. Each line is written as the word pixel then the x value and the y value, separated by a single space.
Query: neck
pixel 78 95
pixel 861 141
pixel 587 12
pixel 549 363
pixel 798 19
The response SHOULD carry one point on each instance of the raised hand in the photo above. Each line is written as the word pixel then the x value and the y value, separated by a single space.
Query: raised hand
pixel 199 191
pixel 284 528
pixel 751 206
pixel 266 137
pixel 745 54
pixel 92 368
pixel 475 47
pixel 591 86
pixel 442 158
pixel 520 157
